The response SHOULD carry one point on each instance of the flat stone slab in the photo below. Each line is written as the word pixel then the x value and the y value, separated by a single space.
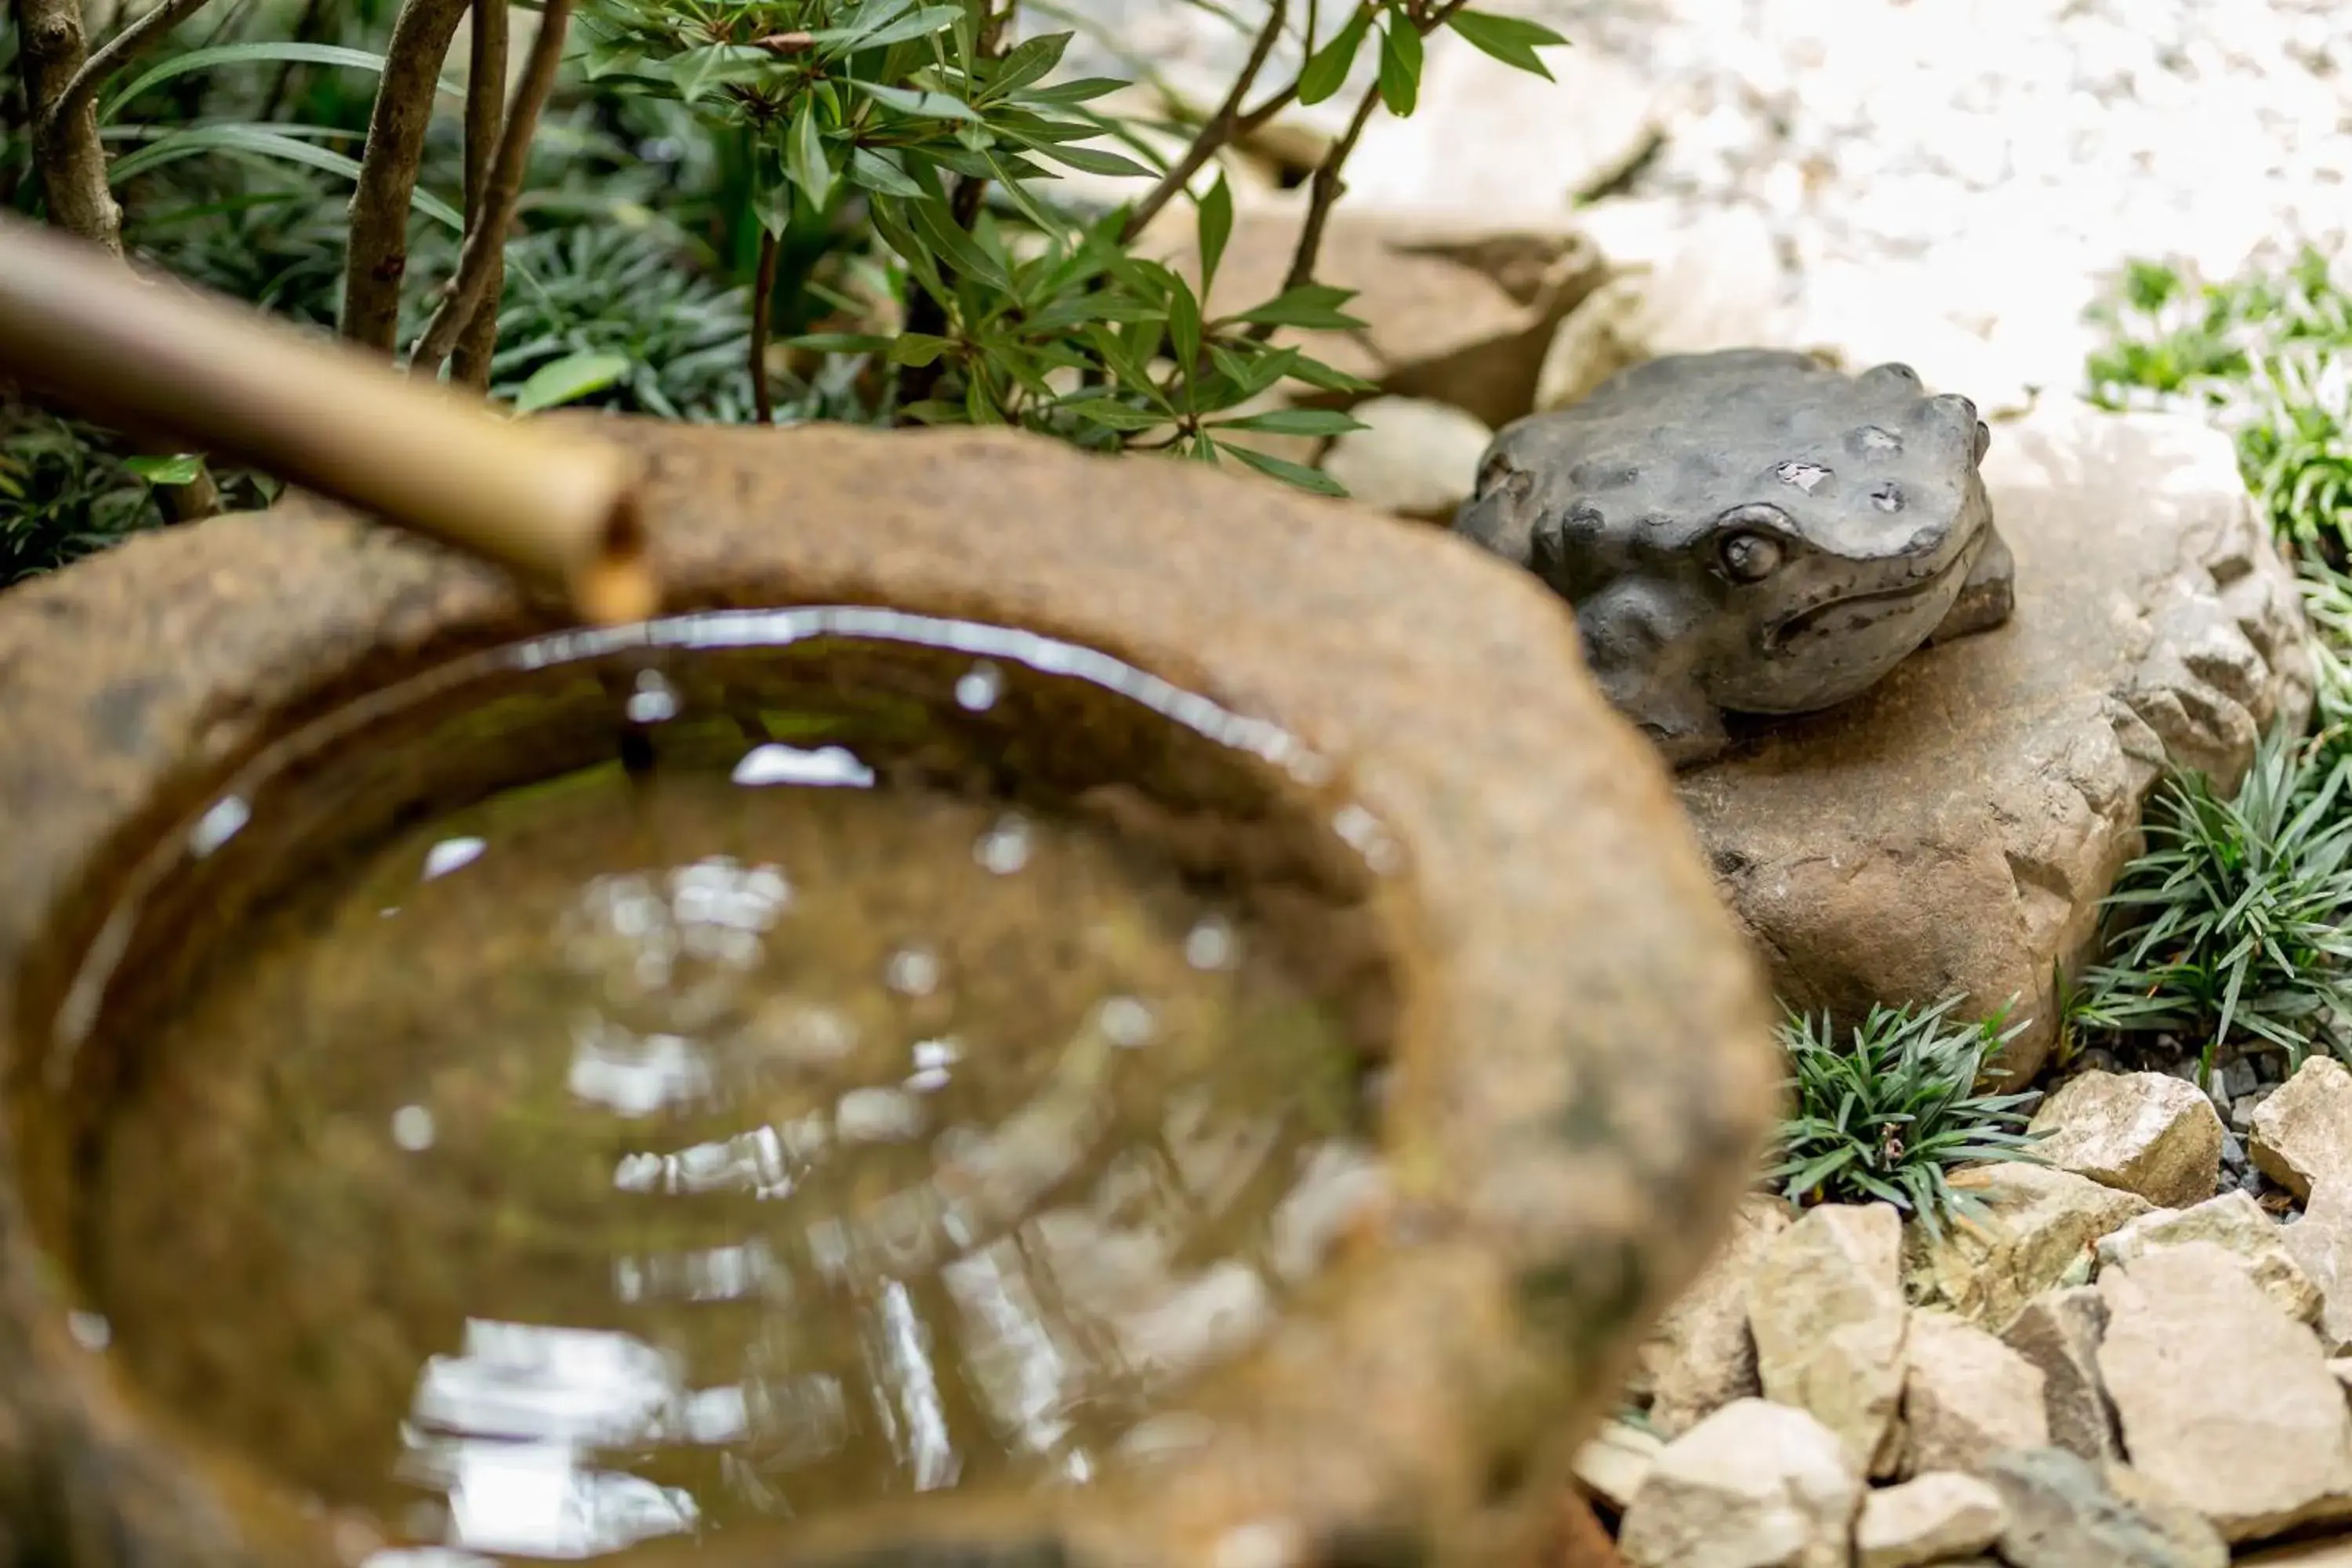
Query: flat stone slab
pixel 1955 827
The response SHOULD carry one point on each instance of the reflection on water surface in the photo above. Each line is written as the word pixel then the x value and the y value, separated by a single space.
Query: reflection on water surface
pixel 627 1156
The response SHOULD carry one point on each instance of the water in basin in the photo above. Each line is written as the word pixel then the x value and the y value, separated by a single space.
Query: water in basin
pixel 616 1096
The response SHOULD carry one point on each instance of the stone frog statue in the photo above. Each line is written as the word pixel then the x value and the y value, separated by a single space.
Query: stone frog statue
pixel 1749 531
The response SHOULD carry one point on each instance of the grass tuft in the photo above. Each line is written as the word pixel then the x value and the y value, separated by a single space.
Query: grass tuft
pixel 1888 1117
pixel 2231 926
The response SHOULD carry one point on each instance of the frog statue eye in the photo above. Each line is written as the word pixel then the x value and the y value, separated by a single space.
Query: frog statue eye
pixel 1751 557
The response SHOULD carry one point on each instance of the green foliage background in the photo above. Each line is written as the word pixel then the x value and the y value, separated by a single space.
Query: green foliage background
pixel 868 186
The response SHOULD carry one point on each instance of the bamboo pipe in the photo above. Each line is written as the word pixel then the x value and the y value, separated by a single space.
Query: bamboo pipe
pixel 155 354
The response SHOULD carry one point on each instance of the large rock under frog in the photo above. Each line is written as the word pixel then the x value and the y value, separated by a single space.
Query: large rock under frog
pixel 1749 531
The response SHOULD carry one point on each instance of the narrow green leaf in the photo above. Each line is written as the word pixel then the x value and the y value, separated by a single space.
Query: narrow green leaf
pixel 1216 227
pixel 1401 59
pixel 180 469
pixel 1512 41
pixel 890 221
pixel 875 13
pixel 937 227
pixel 922 24
pixel 917 348
pixel 1326 378
pixel 1112 416
pixel 1326 71
pixel 877 173
pixel 1312 307
pixel 923 104
pixel 1031 61
pixel 1081 89
pixel 1295 422
pixel 1184 336
pixel 1094 161
pixel 805 155
pixel 243 54
pixel 1016 190
pixel 570 379
pixel 260 141
pixel 1298 474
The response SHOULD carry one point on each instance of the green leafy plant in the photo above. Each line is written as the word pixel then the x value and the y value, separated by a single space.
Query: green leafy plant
pixel 848 207
pixel 68 488
pixel 2271 357
pixel 63 493
pixel 608 315
pixel 1889 1115
pixel 924 125
pixel 2231 930
pixel 272 236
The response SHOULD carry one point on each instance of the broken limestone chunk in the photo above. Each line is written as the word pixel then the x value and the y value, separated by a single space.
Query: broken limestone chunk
pixel 1826 1308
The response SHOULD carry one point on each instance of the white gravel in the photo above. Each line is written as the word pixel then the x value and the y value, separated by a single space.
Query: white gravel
pixel 1997 162
pixel 1991 164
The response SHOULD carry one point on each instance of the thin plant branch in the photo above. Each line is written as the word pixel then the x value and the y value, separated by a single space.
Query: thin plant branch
pixel 118 52
pixel 66 153
pixel 486 82
pixel 1323 192
pixel 924 315
pixel 1325 187
pixel 70 163
pixel 763 297
pixel 376 256
pixel 1220 128
pixel 486 228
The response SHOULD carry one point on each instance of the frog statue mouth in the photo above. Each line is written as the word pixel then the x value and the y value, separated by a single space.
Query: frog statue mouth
pixel 1923 579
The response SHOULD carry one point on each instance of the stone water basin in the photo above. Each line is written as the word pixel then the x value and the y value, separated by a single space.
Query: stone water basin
pixel 1081 1049
pixel 770 1108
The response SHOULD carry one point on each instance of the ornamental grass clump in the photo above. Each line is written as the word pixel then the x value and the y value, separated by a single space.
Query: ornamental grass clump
pixel 1886 1118
pixel 2230 930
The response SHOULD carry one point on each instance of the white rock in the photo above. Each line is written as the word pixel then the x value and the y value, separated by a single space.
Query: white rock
pixel 2321 1245
pixel 1932 1518
pixel 2144 1132
pixel 2224 1399
pixel 2303 1132
pixel 2066 1513
pixel 2235 1223
pixel 1414 457
pixel 1956 826
pixel 1826 1308
pixel 1541 145
pixel 2041 1224
pixel 2059 1332
pixel 1754 1485
pixel 1857 317
pixel 1702 1356
pixel 1966 1397
pixel 1613 1465
pixel 1717 286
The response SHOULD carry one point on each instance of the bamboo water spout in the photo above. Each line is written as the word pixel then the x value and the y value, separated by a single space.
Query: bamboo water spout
pixel 136 350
